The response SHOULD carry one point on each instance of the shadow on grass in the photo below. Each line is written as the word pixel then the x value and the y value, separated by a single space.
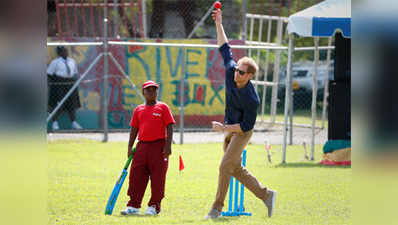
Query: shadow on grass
pixel 218 220
pixel 307 165
pixel 223 219
pixel 154 217
pixel 128 216
pixel 183 222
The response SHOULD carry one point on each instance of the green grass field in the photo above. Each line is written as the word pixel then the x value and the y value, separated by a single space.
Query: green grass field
pixel 300 117
pixel 82 175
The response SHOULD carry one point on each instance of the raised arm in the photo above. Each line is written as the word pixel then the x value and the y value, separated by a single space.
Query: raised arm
pixel 221 37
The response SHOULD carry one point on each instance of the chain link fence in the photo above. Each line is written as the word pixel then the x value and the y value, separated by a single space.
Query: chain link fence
pixel 85 18
pixel 168 19
pixel 203 87
pixel 203 91
pixel 203 70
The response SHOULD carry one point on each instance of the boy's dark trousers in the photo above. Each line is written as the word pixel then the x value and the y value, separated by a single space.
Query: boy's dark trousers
pixel 148 162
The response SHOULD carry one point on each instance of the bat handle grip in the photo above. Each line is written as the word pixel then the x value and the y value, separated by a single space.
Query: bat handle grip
pixel 129 159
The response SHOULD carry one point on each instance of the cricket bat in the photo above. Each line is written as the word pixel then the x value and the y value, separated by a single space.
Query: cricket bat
pixel 116 189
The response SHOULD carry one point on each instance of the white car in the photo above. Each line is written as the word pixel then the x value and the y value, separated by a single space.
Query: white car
pixel 303 76
pixel 302 83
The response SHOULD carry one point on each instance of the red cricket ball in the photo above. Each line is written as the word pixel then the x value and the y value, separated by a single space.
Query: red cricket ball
pixel 217 5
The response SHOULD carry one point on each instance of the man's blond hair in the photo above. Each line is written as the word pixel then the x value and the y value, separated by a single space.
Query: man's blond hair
pixel 251 64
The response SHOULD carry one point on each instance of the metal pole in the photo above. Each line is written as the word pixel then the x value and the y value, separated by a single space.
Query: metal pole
pixel 144 24
pixel 276 72
pixel 127 77
pixel 326 88
pixel 115 18
pixel 244 21
pixel 266 70
pixel 182 83
pixel 287 89
pixel 251 33
pixel 179 45
pixel 291 112
pixel 260 32
pixel 201 21
pixel 106 64
pixel 264 88
pixel 73 87
pixel 314 93
pixel 291 106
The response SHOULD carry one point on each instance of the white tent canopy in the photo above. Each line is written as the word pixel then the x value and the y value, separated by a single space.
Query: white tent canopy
pixel 322 20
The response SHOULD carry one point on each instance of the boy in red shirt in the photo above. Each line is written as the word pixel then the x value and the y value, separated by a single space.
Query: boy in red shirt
pixel 150 121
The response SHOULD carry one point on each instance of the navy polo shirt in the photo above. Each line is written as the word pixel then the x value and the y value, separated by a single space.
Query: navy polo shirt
pixel 241 103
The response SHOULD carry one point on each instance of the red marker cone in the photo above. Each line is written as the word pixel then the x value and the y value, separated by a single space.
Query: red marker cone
pixel 181 167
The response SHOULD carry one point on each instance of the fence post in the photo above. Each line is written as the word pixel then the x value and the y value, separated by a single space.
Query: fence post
pixel 182 87
pixel 143 14
pixel 277 54
pixel 115 19
pixel 266 69
pixel 287 90
pixel 59 24
pixel 291 106
pixel 326 86
pixel 244 20
pixel 106 65
pixel 251 34
pixel 314 93
pixel 260 32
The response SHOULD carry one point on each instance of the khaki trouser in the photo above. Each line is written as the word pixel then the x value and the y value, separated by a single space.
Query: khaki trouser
pixel 234 143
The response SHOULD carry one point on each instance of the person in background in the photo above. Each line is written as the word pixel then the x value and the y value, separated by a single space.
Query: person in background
pixel 62 73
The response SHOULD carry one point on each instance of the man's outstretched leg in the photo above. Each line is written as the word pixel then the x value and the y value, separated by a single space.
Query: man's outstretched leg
pixel 229 162
pixel 231 166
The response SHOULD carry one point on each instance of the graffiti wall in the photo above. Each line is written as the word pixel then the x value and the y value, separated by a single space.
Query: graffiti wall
pixel 204 73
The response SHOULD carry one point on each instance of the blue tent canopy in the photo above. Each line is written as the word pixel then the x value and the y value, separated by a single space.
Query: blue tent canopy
pixel 322 20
